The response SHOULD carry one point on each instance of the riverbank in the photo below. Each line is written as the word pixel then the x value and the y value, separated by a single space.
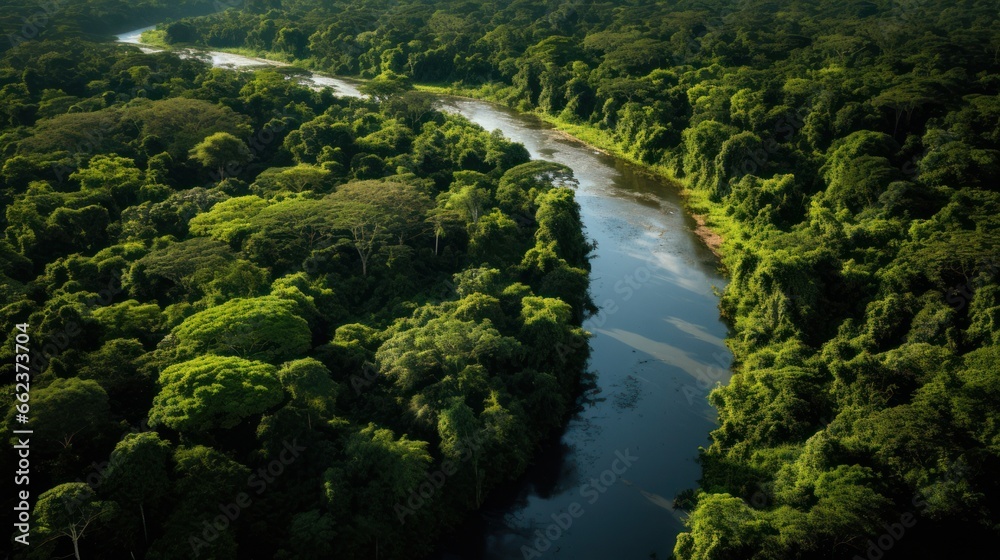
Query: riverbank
pixel 710 223
pixel 156 38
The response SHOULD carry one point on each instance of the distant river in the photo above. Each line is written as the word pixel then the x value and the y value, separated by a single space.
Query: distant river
pixel 657 348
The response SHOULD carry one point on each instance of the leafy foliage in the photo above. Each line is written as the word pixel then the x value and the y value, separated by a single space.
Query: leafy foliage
pixel 213 392
pixel 216 265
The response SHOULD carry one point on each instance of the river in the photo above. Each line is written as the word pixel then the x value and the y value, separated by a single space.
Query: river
pixel 604 489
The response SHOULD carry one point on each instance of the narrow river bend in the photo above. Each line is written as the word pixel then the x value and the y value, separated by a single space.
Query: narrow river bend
pixel 604 489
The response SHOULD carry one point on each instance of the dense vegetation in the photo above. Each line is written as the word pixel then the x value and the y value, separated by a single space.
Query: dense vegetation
pixel 30 20
pixel 267 321
pixel 847 150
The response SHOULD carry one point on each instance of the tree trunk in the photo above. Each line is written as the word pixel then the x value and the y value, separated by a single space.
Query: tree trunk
pixel 364 263
pixel 76 542
pixel 142 513
pixel 479 482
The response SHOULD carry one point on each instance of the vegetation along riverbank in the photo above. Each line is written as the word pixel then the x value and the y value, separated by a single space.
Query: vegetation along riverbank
pixel 842 157
pixel 846 152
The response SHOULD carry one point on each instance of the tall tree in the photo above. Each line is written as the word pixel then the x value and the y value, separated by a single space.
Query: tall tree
pixel 221 152
pixel 139 471
pixel 69 510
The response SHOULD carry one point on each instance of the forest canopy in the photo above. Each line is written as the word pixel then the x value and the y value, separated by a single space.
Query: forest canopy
pixel 848 152
pixel 225 273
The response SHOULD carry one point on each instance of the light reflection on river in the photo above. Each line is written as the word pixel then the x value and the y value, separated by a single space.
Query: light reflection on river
pixel 656 349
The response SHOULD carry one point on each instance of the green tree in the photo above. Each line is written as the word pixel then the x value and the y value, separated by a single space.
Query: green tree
pixel 521 185
pixel 67 415
pixel 469 198
pixel 118 175
pixel 311 535
pixel 386 86
pixel 221 152
pixel 379 475
pixel 68 510
pixel 374 212
pixel 461 439
pixel 205 478
pixel 264 328
pixel 722 527
pixel 212 392
pixel 418 356
pixel 230 220
pixel 309 383
pixel 138 474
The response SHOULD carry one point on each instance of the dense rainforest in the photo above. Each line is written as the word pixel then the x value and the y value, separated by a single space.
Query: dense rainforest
pixel 846 151
pixel 265 321
pixel 29 20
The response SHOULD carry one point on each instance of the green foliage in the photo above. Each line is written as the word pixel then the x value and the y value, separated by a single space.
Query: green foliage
pixel 310 386
pixel 139 473
pixel 381 473
pixel 722 527
pixel 386 86
pixel 185 243
pixel 68 510
pixel 264 328
pixel 376 213
pixel 849 153
pixel 220 151
pixel 520 186
pixel 442 347
pixel 230 220
pixel 99 154
pixel 67 414
pixel 177 269
pixel 212 392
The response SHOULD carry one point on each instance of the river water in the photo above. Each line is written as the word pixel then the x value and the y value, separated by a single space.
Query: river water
pixel 604 489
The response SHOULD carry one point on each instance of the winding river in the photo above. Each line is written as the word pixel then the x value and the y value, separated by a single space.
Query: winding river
pixel 604 489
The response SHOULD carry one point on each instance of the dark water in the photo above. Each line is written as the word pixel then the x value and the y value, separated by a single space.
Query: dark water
pixel 604 489
pixel 657 348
